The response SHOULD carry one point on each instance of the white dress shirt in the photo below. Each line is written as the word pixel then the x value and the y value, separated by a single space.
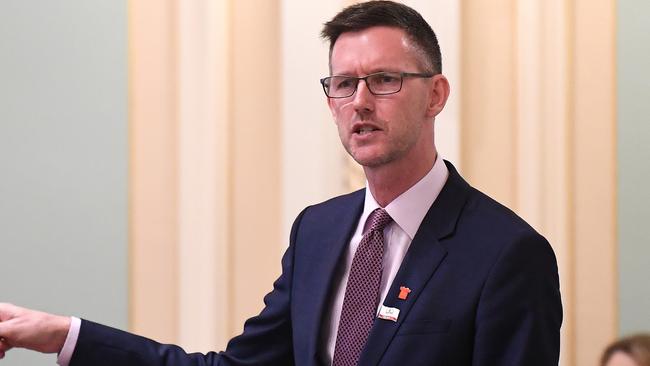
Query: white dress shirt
pixel 408 211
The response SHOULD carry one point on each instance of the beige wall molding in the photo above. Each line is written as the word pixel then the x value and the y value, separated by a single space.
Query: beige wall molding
pixel 205 152
pixel 314 165
pixel 593 95
pixel 228 125
pixel 533 139
pixel 153 183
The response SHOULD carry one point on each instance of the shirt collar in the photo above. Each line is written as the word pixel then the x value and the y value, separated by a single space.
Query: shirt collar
pixel 409 208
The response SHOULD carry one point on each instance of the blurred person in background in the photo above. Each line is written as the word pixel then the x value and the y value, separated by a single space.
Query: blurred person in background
pixel 629 351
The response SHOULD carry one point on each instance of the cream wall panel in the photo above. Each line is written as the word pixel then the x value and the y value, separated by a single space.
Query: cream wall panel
pixel 255 169
pixel 153 171
pixel 203 129
pixel 595 177
pixel 489 97
pixel 206 167
pixel 551 153
pixel 529 132
pixel 554 195
pixel 313 162
pixel 542 145
pixel 203 173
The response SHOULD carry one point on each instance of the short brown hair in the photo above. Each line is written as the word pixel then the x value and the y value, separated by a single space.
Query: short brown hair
pixel 637 347
pixel 387 13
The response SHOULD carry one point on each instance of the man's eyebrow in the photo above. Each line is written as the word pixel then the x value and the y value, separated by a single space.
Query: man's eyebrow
pixel 372 71
pixel 382 69
pixel 343 74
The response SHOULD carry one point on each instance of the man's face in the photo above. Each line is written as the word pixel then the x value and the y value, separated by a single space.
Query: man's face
pixel 381 129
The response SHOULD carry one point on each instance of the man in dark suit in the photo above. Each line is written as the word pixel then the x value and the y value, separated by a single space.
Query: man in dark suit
pixel 419 268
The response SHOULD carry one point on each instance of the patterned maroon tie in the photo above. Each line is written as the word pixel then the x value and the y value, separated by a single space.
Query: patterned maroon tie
pixel 361 293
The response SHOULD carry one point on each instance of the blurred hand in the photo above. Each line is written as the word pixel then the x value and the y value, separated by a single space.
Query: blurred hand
pixel 30 329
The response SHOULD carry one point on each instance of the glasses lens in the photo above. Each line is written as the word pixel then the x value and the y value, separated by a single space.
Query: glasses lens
pixel 340 86
pixel 385 82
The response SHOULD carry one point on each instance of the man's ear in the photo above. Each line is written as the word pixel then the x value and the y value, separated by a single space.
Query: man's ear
pixel 439 95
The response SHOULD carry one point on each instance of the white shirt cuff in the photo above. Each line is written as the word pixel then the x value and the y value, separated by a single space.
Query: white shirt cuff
pixel 70 343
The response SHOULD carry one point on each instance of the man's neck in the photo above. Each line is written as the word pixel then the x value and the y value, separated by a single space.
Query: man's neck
pixel 388 182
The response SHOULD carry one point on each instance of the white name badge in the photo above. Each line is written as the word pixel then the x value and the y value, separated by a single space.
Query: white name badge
pixel 388 313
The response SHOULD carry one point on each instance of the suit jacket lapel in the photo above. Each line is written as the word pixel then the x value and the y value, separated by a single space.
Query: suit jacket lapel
pixel 331 243
pixel 420 263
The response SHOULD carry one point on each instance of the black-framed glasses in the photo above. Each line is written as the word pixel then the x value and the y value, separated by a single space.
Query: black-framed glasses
pixel 380 83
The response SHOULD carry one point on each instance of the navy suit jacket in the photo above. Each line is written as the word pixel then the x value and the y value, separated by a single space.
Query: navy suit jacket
pixel 485 291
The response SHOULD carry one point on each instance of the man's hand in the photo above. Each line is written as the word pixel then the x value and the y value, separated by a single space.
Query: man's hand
pixel 31 329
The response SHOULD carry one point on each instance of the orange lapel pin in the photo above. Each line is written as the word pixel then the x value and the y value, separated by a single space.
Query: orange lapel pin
pixel 403 292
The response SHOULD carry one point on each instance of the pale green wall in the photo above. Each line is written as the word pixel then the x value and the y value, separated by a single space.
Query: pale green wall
pixel 63 160
pixel 634 164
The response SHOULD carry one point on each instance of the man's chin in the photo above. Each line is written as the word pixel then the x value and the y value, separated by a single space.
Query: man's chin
pixel 370 161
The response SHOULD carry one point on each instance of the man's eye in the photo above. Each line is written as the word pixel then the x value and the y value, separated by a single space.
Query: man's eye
pixel 386 79
pixel 344 83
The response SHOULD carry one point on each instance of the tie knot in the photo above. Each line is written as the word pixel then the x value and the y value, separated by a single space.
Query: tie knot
pixel 379 218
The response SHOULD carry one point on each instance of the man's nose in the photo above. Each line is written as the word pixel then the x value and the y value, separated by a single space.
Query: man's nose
pixel 363 98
